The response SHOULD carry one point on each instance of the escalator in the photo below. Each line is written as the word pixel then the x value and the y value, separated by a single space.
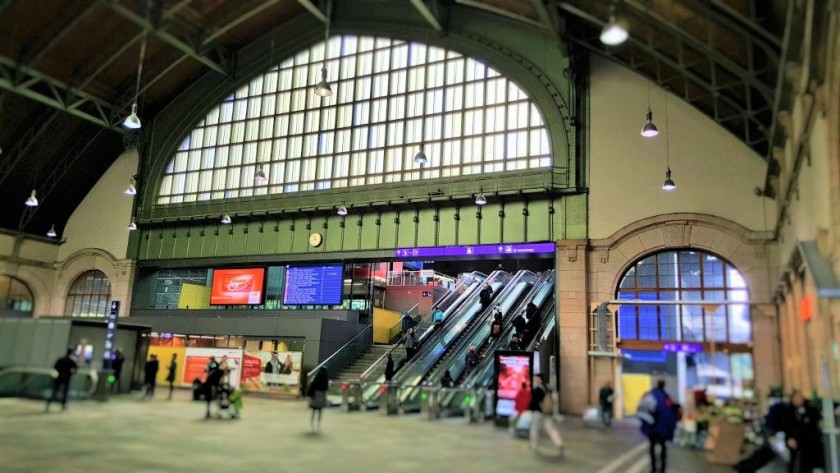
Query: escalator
pixel 434 342
pixel 480 379
pixel 454 360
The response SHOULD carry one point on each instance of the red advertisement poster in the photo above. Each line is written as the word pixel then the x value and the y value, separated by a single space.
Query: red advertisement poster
pixel 512 371
pixel 271 372
pixel 197 359
pixel 237 286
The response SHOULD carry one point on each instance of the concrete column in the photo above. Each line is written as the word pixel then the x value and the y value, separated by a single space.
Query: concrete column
pixel 572 321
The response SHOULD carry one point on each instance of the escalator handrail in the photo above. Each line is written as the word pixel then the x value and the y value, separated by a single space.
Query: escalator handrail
pixel 470 294
pixel 473 276
pixel 469 340
pixel 457 344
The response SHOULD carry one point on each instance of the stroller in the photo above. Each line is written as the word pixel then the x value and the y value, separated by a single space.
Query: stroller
pixel 230 401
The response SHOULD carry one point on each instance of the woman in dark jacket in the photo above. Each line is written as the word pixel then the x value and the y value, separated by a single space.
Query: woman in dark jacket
pixel 803 435
pixel 317 393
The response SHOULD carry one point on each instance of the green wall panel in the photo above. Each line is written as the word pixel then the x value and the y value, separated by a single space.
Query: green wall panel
pixel 143 245
pixel 352 232
pixel 491 224
pixel 448 234
pixel 514 222
pixel 155 243
pixel 195 242
pixel 388 233
pixel 282 238
pixel 300 237
pixel 370 232
pixel 406 230
pixel 253 239
pixel 332 234
pixel 470 226
pixel 538 222
pixel 427 227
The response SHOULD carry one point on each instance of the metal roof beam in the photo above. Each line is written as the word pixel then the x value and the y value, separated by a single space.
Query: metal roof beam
pixel 761 37
pixel 38 51
pixel 23 145
pixel 29 83
pixel 543 13
pixel 169 38
pixel 238 20
pixel 746 75
pixel 499 11
pixel 430 17
pixel 314 10
pixel 90 76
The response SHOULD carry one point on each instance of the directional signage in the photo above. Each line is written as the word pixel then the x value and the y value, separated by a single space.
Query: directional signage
pixel 476 250
pixel 111 334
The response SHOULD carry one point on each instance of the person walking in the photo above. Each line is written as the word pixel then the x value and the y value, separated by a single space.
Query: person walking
pixel 116 366
pixel 803 435
pixel 389 369
pixel 659 420
pixel 210 388
pixel 606 396
pixel 473 358
pixel 150 376
pixel 446 381
pixel 542 411
pixel 317 393
pixel 485 296
pixel 65 366
pixel 170 375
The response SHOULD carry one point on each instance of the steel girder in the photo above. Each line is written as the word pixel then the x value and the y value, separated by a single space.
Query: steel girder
pixel 23 145
pixel 234 22
pixel 314 10
pixel 197 50
pixel 731 101
pixel 42 88
pixel 430 17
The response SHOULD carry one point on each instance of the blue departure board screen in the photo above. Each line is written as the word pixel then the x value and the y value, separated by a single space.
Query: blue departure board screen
pixel 314 285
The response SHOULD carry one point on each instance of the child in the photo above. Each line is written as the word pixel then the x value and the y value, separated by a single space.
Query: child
pixel 224 400
pixel 236 402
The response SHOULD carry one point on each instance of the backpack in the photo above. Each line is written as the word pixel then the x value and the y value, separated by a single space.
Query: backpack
pixel 646 410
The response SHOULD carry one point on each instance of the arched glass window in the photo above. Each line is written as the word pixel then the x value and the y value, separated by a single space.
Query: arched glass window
pixel 390 98
pixel 15 295
pixel 89 296
pixel 686 275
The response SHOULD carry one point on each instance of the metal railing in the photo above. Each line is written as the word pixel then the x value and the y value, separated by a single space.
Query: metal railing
pixel 396 329
pixel 37 383
pixel 344 355
pixel 417 278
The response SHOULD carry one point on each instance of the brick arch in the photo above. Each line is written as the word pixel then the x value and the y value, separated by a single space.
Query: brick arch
pixel 36 287
pixel 747 250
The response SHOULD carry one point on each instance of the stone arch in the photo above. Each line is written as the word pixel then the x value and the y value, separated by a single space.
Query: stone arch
pixel 747 250
pixel 79 263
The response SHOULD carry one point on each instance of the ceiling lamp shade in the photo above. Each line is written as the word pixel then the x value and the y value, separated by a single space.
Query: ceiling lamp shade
pixel 342 210
pixel 131 189
pixel 260 176
pixel 669 184
pixel 51 233
pixel 615 31
pixel 480 200
pixel 323 88
pixel 226 219
pixel 132 121
pixel 32 201
pixel 132 226
pixel 420 158
pixel 649 130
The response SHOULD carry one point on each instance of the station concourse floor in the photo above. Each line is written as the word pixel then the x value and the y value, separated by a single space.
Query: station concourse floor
pixel 126 434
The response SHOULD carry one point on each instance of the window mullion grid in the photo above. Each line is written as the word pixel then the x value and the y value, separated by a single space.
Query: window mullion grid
pixel 505 136
pixel 442 113
pixel 463 134
pixel 368 155
pixel 387 120
pixel 485 132
pixel 406 170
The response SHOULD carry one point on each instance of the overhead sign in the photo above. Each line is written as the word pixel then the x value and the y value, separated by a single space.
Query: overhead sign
pixel 476 250
pixel 683 347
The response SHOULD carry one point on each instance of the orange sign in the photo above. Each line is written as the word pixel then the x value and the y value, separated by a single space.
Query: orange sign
pixel 805 310
pixel 237 286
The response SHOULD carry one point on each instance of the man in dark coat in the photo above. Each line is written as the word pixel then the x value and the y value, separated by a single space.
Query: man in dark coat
pixel 605 398
pixel 65 366
pixel 150 375
pixel 803 435
pixel 389 368
pixel 660 423
pixel 116 365
pixel 485 296
pixel 519 324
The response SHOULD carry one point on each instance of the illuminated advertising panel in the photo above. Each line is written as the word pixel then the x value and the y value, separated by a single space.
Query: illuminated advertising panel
pixel 513 381
pixel 241 286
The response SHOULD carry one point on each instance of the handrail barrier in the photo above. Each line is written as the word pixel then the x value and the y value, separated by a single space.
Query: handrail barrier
pixel 344 355
pixel 37 382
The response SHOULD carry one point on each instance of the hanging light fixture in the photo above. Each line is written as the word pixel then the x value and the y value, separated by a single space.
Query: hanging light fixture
pixel 323 88
pixel 649 130
pixel 260 175
pixel 420 158
pixel 226 220
pixel 480 200
pixel 131 189
pixel 615 31
pixel 133 225
pixel 342 210
pixel 669 184
pixel 132 121
pixel 51 233
pixel 32 201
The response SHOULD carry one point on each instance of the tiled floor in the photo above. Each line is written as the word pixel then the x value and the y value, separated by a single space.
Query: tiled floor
pixel 129 435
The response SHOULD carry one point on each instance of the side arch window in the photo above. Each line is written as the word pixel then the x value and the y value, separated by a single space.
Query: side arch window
pixel 89 295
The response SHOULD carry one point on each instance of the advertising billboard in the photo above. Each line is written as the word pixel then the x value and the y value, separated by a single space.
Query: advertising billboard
pixel 271 372
pixel 197 359
pixel 241 286
pixel 513 381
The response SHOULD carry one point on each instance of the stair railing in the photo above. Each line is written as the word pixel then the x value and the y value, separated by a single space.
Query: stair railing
pixel 344 355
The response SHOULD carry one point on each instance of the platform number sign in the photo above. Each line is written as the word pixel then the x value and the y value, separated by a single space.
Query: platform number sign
pixel 111 334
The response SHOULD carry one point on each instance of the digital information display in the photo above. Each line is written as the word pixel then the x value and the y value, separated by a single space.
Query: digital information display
pixel 513 381
pixel 314 285
pixel 243 286
pixel 476 250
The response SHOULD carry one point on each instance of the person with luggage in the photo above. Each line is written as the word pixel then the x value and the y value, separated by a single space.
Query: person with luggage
pixel 542 411
pixel 659 421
